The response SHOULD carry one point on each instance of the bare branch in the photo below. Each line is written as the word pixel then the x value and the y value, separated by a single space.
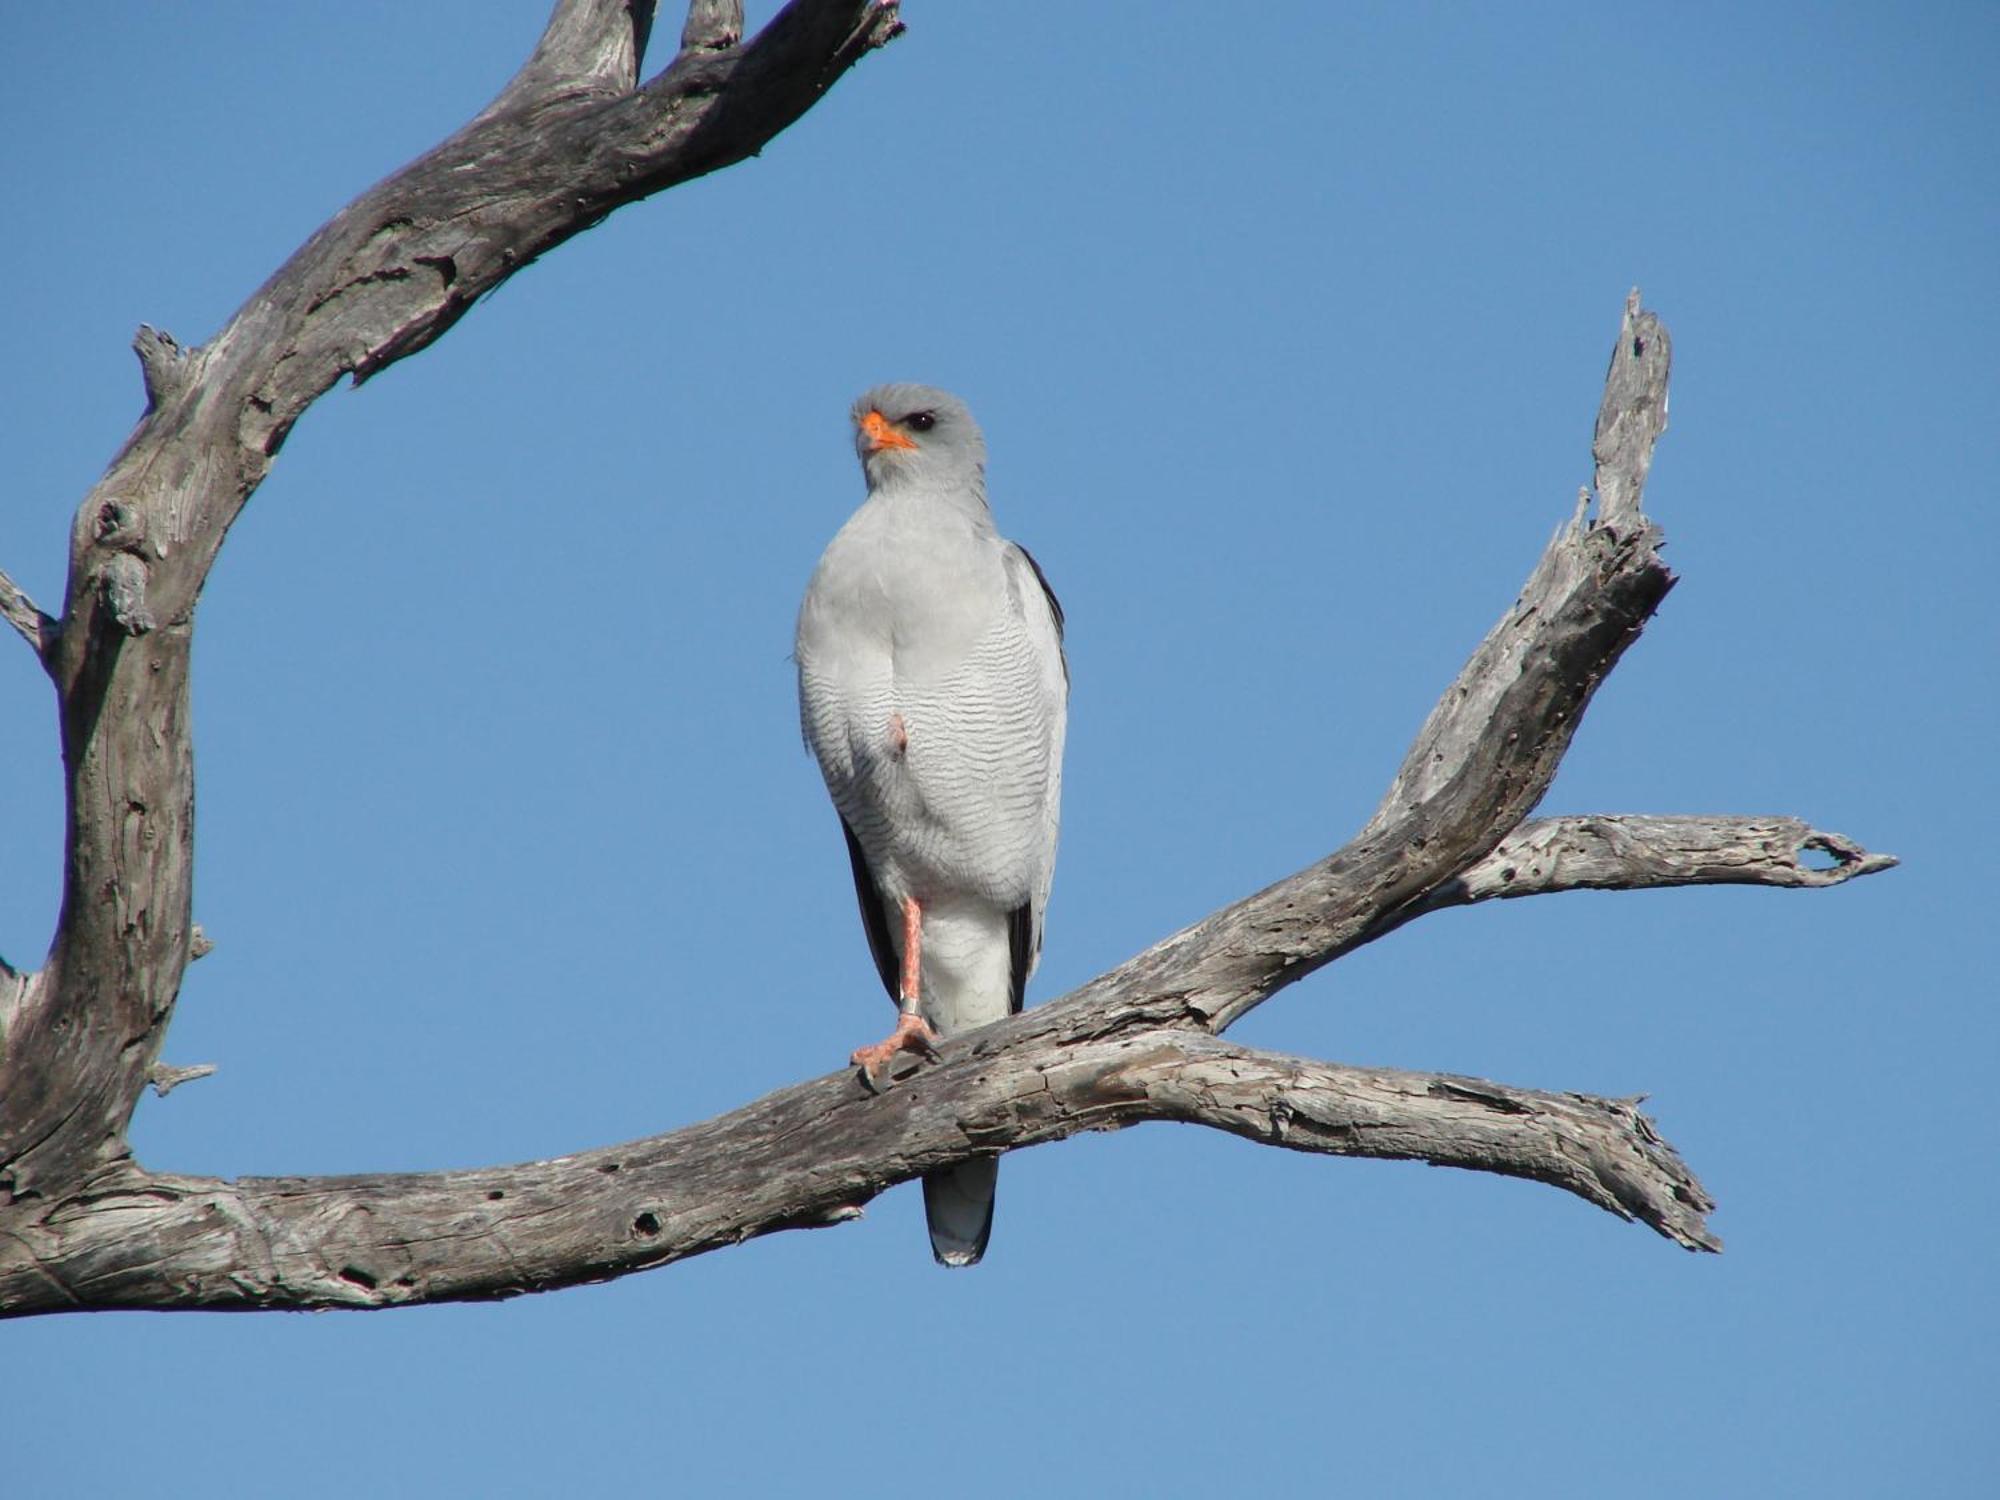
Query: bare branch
pixel 806 1157
pixel 163 364
pixel 1630 853
pixel 1633 415
pixel 165 1078
pixel 569 140
pixel 1482 761
pixel 712 25
pixel 84 1227
pixel 1604 852
pixel 1602 1150
pixel 34 627
pixel 588 47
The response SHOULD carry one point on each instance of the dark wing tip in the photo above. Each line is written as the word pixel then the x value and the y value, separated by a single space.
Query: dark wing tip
pixel 1023 942
pixel 874 915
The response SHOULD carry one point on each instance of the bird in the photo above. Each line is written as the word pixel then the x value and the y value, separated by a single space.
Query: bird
pixel 934 693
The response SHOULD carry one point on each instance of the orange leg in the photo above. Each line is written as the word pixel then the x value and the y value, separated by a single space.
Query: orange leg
pixel 913 954
pixel 913 1033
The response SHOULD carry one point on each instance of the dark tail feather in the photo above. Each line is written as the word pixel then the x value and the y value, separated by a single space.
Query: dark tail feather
pixel 958 1203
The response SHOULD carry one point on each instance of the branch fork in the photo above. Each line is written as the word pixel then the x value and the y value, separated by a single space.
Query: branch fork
pixel 572 137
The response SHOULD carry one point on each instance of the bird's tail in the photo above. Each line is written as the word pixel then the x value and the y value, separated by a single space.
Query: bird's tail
pixel 958 1204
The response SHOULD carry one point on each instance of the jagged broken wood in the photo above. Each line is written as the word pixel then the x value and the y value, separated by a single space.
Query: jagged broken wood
pixel 571 137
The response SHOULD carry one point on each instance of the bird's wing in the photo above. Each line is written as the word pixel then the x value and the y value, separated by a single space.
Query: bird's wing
pixel 1042 616
pixel 1024 946
pixel 874 914
pixel 1055 607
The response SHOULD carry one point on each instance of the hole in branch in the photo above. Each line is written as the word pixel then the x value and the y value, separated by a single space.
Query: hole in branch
pixel 358 1277
pixel 1816 854
pixel 495 1195
pixel 646 1224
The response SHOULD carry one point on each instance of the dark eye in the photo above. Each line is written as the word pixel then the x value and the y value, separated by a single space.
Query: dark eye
pixel 922 421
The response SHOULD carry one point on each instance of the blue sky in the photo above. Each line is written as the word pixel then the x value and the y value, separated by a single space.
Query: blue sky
pixel 1287 333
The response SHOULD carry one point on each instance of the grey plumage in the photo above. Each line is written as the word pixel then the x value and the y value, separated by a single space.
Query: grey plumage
pixel 933 692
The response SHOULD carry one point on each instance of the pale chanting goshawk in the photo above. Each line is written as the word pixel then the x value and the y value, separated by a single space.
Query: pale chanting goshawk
pixel 934 693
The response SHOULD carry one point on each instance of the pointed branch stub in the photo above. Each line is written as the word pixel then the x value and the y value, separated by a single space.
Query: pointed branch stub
pixel 163 364
pixel 34 627
pixel 712 25
pixel 1633 414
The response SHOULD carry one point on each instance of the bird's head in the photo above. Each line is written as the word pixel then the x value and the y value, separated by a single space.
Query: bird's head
pixel 917 432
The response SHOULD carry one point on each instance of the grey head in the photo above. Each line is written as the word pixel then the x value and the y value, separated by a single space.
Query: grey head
pixel 918 433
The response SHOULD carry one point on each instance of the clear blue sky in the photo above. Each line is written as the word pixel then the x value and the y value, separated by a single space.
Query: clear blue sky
pixel 1287 328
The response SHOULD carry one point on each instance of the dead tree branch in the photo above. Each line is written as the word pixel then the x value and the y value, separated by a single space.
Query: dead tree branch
pixel 34 627
pixel 571 138
pixel 1630 853
pixel 802 1158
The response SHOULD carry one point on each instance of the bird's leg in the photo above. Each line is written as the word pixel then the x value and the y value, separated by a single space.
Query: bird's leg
pixel 913 956
pixel 913 1033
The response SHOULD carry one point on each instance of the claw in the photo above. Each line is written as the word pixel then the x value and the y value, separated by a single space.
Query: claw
pixel 912 1034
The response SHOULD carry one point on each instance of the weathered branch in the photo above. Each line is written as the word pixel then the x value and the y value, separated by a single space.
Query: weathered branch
pixel 1632 853
pixel 165 1077
pixel 1633 414
pixel 814 1154
pixel 1623 852
pixel 589 47
pixel 1484 757
pixel 808 1156
pixel 712 25
pixel 34 627
pixel 571 138
pixel 163 365
pixel 1602 1150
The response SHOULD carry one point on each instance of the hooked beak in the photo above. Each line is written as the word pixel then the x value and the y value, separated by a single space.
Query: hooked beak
pixel 877 432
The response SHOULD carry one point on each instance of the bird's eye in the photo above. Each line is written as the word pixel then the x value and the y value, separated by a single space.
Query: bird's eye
pixel 922 421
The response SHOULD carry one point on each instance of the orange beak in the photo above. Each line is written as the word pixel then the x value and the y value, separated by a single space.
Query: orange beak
pixel 875 427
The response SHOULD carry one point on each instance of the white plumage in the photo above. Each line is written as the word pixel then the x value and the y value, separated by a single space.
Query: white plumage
pixel 933 691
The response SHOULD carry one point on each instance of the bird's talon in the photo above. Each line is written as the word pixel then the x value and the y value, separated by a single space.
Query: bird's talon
pixel 912 1034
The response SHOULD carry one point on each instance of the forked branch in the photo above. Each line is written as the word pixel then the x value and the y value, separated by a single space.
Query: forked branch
pixel 572 137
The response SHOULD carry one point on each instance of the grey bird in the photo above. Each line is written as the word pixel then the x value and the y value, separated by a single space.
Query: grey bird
pixel 934 692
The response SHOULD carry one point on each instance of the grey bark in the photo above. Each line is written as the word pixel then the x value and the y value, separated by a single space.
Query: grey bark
pixel 571 137
pixel 34 627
